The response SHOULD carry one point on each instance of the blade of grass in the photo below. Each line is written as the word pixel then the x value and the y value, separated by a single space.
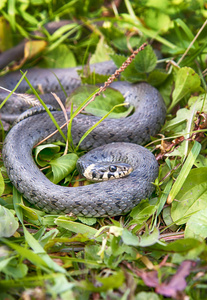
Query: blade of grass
pixel 150 33
pixel 63 38
pixel 76 112
pixel 95 125
pixel 11 13
pixel 45 107
pixel 16 86
pixel 164 196
pixel 38 249
pixel 184 171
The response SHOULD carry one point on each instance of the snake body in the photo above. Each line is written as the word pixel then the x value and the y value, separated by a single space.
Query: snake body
pixel 116 140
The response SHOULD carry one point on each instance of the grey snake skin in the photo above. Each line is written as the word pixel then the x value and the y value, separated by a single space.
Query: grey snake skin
pixel 116 140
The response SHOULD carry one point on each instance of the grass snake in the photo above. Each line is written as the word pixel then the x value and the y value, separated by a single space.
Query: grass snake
pixel 116 140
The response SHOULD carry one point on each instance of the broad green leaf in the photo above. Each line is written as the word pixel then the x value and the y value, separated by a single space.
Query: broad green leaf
pixel 15 270
pixel 102 52
pixel 186 82
pixel 130 73
pixel 113 281
pixel 88 221
pixel 129 238
pixel 60 57
pixel 179 122
pixel 146 60
pixel 142 212
pixel 148 239
pixel 192 196
pixel 184 172
pixel 62 285
pixel 196 226
pixel 167 218
pixel 146 296
pixel 44 153
pixel 157 77
pixel 157 19
pixel 179 246
pixel 103 103
pixel 201 161
pixel 4 262
pixel 8 223
pixel 62 166
pixel 75 227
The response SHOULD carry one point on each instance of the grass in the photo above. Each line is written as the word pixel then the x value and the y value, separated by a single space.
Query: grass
pixel 158 250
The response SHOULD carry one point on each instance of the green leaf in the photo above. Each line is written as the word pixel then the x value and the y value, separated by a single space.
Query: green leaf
pixel 157 19
pixel 148 239
pixel 88 221
pixel 96 124
pixel 164 195
pixel 192 196
pixel 15 270
pixel 75 227
pixel 2 185
pixel 8 223
pixel 147 296
pixel 103 103
pixel 129 238
pixel 130 73
pixel 113 281
pixel 146 60
pixel 184 171
pixel 3 3
pixel 102 52
pixel 142 212
pixel 157 77
pixel 29 212
pixel 44 153
pixel 40 252
pixel 62 166
pixel 196 226
pixel 186 82
pixel 178 246
pixel 27 254
pixel 60 57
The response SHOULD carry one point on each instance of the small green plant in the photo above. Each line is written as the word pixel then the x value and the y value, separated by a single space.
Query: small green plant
pixel 158 250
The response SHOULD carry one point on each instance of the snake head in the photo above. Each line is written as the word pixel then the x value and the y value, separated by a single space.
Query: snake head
pixel 102 171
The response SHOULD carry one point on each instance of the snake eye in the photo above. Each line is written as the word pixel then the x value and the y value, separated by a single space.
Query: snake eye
pixel 112 168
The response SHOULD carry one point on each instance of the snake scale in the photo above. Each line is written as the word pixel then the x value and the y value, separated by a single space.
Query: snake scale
pixel 116 140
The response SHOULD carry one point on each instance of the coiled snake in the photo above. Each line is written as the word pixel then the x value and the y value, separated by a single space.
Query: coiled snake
pixel 116 140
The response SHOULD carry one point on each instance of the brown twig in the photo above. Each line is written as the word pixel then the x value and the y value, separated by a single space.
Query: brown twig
pixel 103 88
